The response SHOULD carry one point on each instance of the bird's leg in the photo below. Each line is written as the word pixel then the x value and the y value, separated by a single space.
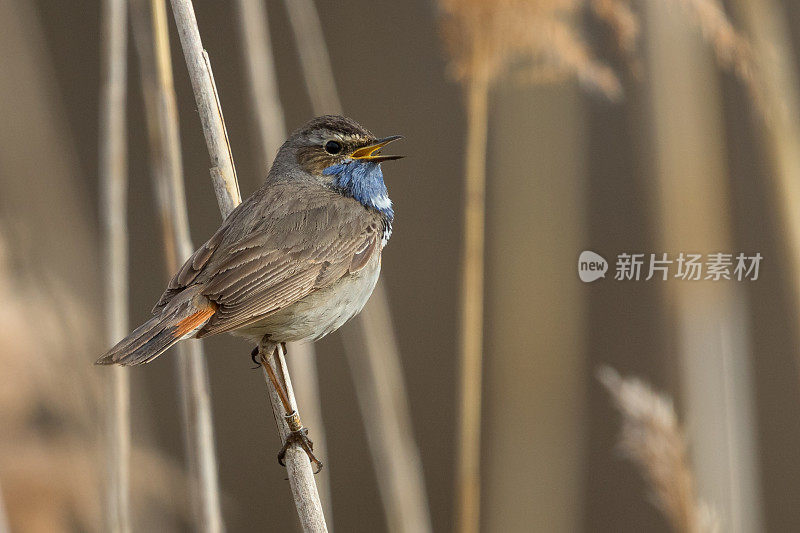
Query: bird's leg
pixel 297 433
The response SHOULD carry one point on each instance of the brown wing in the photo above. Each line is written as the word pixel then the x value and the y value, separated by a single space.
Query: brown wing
pixel 290 250
pixel 190 269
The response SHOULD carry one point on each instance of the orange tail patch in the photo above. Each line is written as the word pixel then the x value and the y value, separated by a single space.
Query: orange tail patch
pixel 195 320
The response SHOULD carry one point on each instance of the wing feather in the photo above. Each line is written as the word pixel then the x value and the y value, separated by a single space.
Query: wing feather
pixel 290 241
pixel 285 242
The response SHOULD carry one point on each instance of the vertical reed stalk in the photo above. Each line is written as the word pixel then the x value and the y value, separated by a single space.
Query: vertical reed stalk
pixel 226 187
pixel 223 171
pixel 471 334
pixel 4 527
pixel 262 77
pixel 772 47
pixel 113 197
pixel 691 189
pixel 301 477
pixel 533 373
pixel 152 39
pixel 303 364
pixel 391 443
pixel 271 130
pixel 372 353
pixel 314 58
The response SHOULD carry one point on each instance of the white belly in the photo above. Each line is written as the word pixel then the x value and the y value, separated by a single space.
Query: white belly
pixel 321 312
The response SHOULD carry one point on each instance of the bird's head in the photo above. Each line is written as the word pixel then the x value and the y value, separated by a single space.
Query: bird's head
pixel 332 140
pixel 341 154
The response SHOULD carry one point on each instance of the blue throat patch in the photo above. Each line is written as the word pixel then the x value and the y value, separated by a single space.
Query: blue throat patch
pixel 363 181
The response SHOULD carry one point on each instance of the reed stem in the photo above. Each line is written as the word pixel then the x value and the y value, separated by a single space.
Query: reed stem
pixel 471 320
pixel 298 467
pixel 772 48
pixel 152 40
pixel 370 344
pixel 113 198
pixel 226 187
pixel 4 526
pixel 271 131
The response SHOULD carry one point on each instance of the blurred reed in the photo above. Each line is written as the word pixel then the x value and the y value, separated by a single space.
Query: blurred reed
pixel 4 527
pixel 226 186
pixel 772 45
pixel 271 132
pixel 262 78
pixel 51 449
pixel 52 399
pixel 732 50
pixel 535 396
pixel 113 198
pixel 370 345
pixel 49 446
pixel 152 41
pixel 538 42
pixel 314 58
pixel 486 41
pixel 706 319
pixel 652 438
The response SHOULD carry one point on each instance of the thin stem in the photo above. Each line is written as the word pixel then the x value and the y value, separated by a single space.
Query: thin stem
pixel 390 434
pixel 709 321
pixel 271 131
pixel 301 477
pixel 314 58
pixel 223 171
pixel 370 344
pixel 113 184
pixel 471 323
pixel 263 86
pixel 152 39
pixel 303 364
pixel 5 527
pixel 772 47
pixel 226 187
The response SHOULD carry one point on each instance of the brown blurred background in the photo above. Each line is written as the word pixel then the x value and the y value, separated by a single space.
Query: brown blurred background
pixel 567 171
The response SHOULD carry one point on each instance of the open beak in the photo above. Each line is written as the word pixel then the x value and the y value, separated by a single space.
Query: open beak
pixel 368 153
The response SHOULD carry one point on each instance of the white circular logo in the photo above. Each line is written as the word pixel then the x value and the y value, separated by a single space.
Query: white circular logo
pixel 591 266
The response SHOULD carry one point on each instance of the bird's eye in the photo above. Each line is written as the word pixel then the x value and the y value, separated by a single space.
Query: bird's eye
pixel 333 147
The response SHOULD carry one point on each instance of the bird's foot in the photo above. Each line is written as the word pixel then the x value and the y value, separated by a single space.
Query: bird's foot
pixel 300 437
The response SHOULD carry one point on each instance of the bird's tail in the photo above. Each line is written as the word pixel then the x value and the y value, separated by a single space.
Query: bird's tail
pixel 154 337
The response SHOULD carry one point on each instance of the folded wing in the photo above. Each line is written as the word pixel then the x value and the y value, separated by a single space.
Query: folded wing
pixel 281 258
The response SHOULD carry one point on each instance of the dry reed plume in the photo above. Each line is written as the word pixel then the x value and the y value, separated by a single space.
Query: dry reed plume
pixel 542 40
pixel 652 438
pixel 536 39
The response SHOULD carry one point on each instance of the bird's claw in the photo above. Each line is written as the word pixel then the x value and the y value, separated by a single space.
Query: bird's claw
pixel 301 438
pixel 255 356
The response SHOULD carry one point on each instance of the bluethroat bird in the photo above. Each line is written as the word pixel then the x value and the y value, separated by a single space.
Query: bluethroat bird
pixel 293 262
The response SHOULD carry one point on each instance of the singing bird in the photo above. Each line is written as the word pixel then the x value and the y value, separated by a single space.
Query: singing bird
pixel 293 262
